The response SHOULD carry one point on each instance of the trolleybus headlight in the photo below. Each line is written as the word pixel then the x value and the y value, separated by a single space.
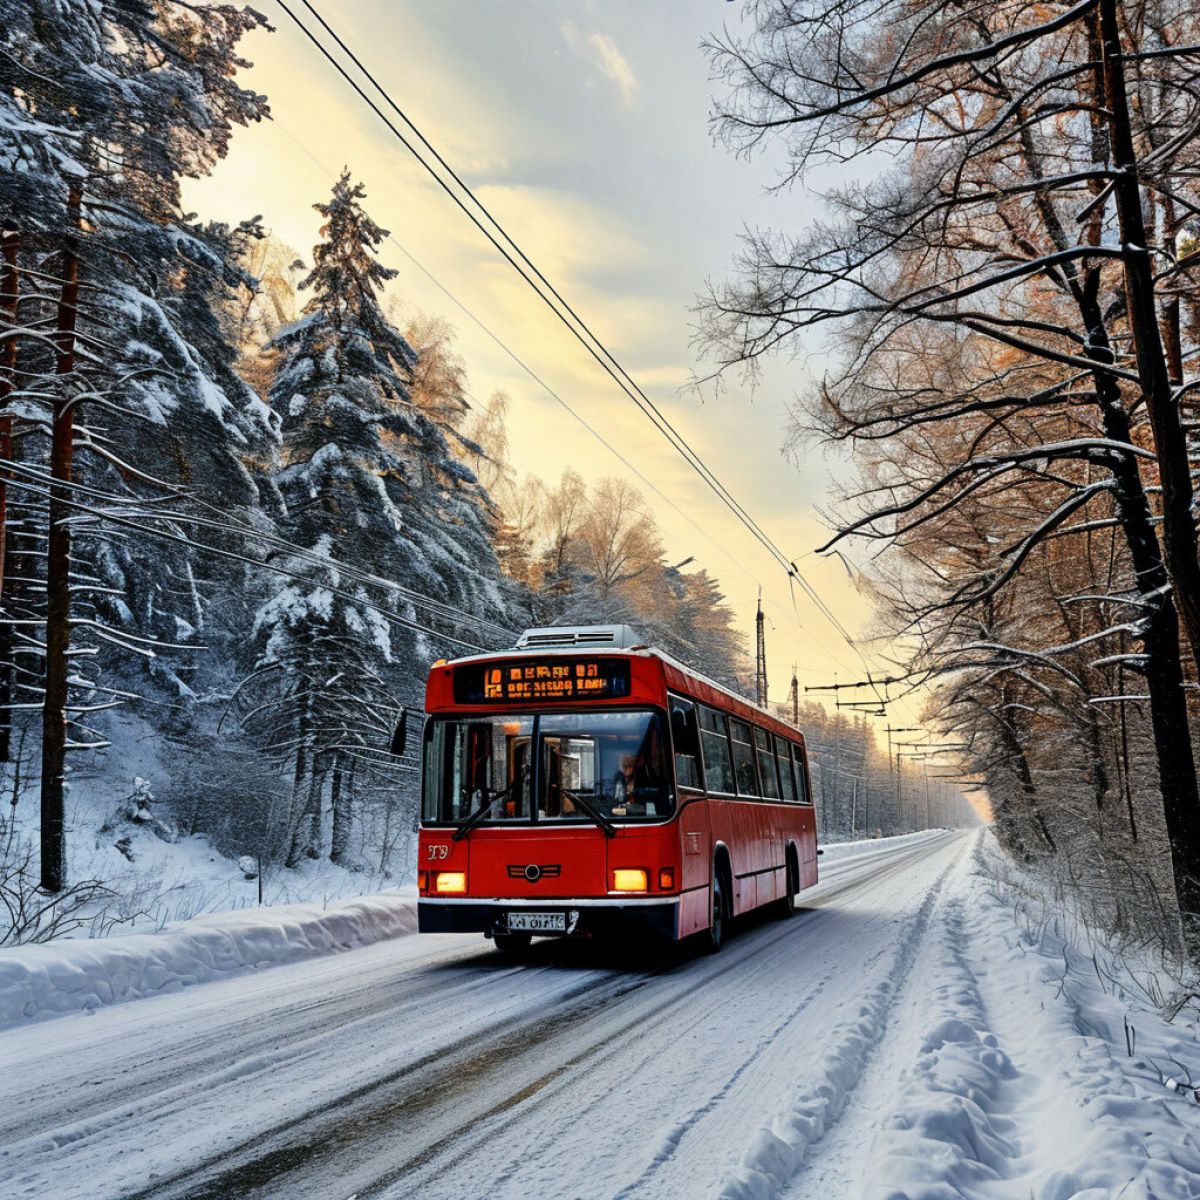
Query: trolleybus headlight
pixel 666 879
pixel 629 879
pixel 450 882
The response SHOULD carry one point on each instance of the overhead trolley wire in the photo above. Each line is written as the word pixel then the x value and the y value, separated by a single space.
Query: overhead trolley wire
pixel 640 398
pixel 569 318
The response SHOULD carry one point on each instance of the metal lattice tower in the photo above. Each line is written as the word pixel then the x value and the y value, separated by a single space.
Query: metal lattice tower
pixel 760 665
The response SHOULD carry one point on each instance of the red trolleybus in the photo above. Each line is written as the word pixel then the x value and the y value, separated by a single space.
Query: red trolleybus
pixel 585 784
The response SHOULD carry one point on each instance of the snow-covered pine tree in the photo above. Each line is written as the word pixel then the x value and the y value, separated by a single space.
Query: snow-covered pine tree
pixel 103 110
pixel 369 480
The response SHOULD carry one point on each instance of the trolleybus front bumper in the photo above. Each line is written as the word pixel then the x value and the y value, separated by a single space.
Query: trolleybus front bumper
pixel 635 915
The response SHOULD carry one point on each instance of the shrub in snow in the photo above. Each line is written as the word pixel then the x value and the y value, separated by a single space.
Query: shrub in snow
pixel 135 810
pixel 27 914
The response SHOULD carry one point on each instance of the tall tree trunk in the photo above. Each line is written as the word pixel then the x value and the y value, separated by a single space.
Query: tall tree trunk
pixel 343 816
pixel 295 809
pixel 58 567
pixel 1181 552
pixel 1177 780
pixel 312 810
pixel 1163 672
pixel 9 297
pixel 1029 792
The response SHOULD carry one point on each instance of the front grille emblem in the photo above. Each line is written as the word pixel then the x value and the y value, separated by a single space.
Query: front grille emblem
pixel 532 872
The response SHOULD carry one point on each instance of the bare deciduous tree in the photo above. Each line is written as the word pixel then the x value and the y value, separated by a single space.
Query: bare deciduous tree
pixel 1004 272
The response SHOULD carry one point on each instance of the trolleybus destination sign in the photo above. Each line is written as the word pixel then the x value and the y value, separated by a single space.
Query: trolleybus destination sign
pixel 541 679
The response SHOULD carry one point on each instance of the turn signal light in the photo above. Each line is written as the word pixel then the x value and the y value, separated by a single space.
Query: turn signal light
pixel 666 879
pixel 422 881
pixel 627 879
pixel 448 883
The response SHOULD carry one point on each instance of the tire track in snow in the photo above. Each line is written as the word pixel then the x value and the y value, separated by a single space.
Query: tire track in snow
pixel 777 1152
pixel 670 1143
pixel 112 1071
pixel 238 1058
pixel 954 1127
pixel 524 1094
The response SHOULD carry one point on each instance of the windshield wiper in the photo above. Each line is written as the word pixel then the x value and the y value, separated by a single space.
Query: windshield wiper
pixel 482 811
pixel 610 830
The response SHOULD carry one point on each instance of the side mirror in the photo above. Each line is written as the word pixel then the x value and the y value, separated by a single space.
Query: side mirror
pixel 399 734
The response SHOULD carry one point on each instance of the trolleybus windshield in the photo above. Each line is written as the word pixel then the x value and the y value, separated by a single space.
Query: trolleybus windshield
pixel 549 767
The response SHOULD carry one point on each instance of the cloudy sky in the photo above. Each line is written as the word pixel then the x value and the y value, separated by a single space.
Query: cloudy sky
pixel 583 125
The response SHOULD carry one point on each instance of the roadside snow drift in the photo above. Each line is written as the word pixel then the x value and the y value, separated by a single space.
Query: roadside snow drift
pixel 80 976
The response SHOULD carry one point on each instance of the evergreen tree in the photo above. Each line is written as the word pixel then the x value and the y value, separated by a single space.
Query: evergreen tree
pixel 368 480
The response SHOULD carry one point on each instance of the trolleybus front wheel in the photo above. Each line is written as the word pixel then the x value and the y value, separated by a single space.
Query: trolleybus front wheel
pixel 512 943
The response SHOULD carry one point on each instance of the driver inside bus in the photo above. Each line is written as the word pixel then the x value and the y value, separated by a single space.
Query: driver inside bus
pixel 624 783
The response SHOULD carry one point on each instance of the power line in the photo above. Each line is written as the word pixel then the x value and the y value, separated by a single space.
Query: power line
pixel 570 319
pixel 127 522
pixel 590 341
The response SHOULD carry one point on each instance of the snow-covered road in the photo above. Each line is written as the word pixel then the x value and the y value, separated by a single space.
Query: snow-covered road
pixel 853 1048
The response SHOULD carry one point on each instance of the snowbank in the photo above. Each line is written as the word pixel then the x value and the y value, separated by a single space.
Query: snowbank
pixel 79 976
pixel 987 1060
pixel 1026 1076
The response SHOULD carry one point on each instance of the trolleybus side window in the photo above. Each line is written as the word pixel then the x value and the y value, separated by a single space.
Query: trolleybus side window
pixel 714 737
pixel 686 738
pixel 801 776
pixel 765 752
pixel 783 754
pixel 743 758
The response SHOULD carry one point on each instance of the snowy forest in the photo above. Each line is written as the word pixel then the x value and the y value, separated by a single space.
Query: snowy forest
pixel 246 500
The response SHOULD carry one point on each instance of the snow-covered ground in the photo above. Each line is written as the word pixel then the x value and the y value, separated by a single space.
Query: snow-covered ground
pixel 898 1038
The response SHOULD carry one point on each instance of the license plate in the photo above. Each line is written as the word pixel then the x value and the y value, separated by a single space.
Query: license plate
pixel 537 922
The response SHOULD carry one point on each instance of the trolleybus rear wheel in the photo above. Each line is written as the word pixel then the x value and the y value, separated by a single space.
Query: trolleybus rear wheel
pixel 787 906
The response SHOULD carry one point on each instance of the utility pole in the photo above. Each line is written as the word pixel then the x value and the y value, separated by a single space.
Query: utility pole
pixel 794 697
pixel 837 766
pixel 889 730
pixel 760 665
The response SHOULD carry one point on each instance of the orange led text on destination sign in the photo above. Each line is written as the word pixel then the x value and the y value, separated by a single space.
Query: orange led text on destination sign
pixel 544 681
